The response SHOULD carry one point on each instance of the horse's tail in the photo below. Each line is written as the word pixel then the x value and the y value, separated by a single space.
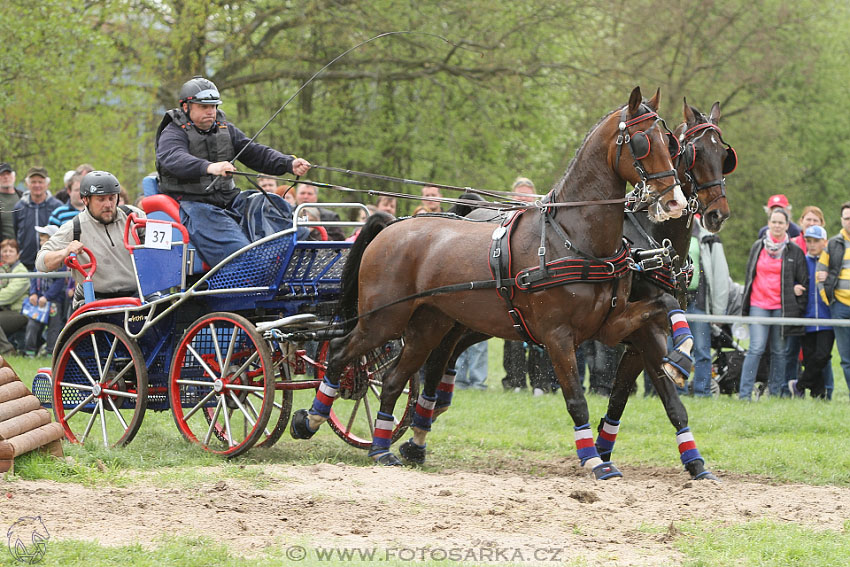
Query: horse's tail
pixel 351 271
pixel 461 209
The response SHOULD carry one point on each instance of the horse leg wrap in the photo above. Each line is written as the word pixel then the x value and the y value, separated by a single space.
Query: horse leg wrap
pixel 381 439
pixel 678 363
pixel 690 456
pixel 423 416
pixel 412 452
pixel 584 446
pixel 445 391
pixel 608 429
pixel 325 396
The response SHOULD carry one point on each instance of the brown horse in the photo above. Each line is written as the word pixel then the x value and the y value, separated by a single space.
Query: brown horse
pixel 703 163
pixel 421 254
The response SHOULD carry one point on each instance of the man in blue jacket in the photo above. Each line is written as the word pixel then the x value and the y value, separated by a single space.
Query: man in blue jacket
pixel 195 145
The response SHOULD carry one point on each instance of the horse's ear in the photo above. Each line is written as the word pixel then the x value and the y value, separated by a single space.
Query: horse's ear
pixel 655 101
pixel 635 101
pixel 714 117
pixel 688 111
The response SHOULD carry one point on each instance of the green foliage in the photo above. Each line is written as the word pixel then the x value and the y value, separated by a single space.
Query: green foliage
pixel 511 90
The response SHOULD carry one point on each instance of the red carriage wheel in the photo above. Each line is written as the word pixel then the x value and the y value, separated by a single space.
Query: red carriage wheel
pixel 100 385
pixel 353 419
pixel 221 384
pixel 281 410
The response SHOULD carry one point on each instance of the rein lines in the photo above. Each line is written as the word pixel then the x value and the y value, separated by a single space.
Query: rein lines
pixel 513 205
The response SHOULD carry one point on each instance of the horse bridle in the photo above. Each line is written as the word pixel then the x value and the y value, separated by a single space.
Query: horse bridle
pixel 688 154
pixel 640 147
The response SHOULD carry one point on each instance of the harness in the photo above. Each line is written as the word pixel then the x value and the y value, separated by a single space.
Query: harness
pixel 563 271
pixel 78 228
pixel 657 263
pixel 687 157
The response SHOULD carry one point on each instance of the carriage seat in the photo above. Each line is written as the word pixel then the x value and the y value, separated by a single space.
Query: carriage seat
pixel 164 208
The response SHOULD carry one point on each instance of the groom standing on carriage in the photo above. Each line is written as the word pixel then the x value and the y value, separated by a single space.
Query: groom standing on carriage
pixel 195 148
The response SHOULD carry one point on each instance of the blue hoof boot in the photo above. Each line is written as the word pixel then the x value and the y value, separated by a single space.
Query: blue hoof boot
pixel 706 475
pixel 412 453
pixel 606 471
pixel 386 459
pixel 299 427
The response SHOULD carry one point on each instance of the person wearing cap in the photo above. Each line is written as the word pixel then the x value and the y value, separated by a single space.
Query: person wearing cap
pixel 73 207
pixel 811 215
pixel 195 145
pixel 780 201
pixel 818 339
pixel 32 210
pixel 9 197
pixel 100 228
pixel 834 273
pixel 50 293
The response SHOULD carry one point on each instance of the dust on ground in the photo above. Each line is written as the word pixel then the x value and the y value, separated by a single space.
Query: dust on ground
pixel 489 516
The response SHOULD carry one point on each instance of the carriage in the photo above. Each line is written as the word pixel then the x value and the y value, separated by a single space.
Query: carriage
pixel 222 348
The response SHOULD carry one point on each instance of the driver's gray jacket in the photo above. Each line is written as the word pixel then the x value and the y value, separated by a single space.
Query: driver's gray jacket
pixel 114 273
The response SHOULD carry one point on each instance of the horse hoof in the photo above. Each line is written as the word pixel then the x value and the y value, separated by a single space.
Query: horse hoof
pixel 412 453
pixel 706 475
pixel 606 471
pixel 387 459
pixel 299 427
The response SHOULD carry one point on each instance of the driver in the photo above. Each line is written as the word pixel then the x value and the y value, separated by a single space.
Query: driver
pixel 100 228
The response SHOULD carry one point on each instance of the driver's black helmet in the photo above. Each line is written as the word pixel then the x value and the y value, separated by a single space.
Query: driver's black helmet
pixel 199 91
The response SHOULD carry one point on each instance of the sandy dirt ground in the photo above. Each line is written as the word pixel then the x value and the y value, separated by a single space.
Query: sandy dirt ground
pixel 488 517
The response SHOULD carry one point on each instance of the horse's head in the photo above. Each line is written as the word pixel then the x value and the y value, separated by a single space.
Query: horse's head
pixel 703 163
pixel 641 137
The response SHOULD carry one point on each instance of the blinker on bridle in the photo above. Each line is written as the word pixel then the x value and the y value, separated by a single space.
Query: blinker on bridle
pixel 688 154
pixel 640 147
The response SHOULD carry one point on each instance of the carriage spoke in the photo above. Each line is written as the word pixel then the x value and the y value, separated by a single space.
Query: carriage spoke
pixel 89 426
pixel 117 413
pixel 228 434
pixel 77 408
pixel 213 421
pixel 109 359
pixel 255 414
pixel 352 416
pixel 100 369
pixel 121 394
pixel 369 419
pixel 214 339
pixel 120 374
pixel 275 403
pixel 200 404
pixel 243 410
pixel 241 370
pixel 102 412
pixel 202 362
pixel 83 367
pixel 245 387
pixel 77 386
pixel 230 347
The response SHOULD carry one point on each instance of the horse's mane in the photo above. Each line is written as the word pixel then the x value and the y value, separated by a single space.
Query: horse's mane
pixel 563 179
pixel 560 183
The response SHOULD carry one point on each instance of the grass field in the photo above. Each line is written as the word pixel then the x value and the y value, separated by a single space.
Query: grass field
pixel 778 440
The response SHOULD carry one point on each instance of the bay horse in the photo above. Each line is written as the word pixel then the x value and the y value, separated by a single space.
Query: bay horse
pixel 580 223
pixel 702 164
